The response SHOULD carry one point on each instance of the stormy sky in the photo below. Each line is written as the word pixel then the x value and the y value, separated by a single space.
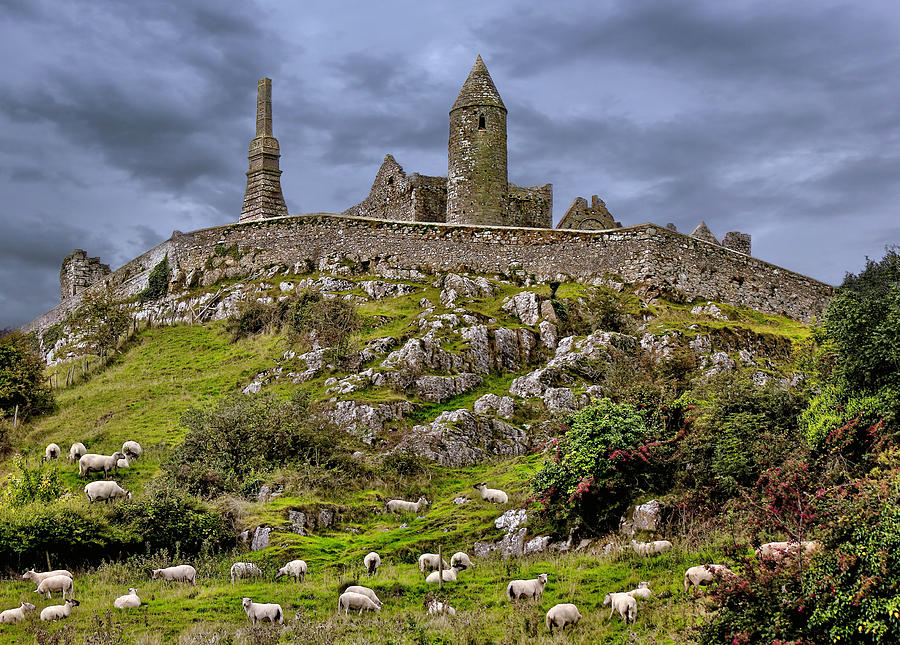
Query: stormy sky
pixel 121 121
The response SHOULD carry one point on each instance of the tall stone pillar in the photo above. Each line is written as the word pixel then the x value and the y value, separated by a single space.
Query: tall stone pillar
pixel 263 197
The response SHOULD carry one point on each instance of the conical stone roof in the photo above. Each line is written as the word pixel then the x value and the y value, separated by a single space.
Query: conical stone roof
pixel 479 89
pixel 703 233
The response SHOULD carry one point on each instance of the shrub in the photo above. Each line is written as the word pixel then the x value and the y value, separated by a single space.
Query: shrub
pixel 252 317
pixel 22 378
pixel 598 308
pixel 103 321
pixel 40 484
pixel 158 282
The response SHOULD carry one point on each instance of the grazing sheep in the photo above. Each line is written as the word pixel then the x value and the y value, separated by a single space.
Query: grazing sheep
pixel 178 573
pixel 244 570
pixel 642 591
pixel 63 584
pixel 430 562
pixel 650 548
pixel 76 451
pixel 526 588
pixel 37 578
pixel 493 495
pixel 436 608
pixel 449 575
pixel 354 601
pixel 461 561
pixel 624 604
pixel 259 612
pixel 402 506
pixel 704 574
pixel 90 462
pixel 58 612
pixel 132 449
pixel 365 591
pixel 128 601
pixel 105 491
pixel 561 615
pixel 372 562
pixel 17 615
pixel 123 463
pixel 51 452
pixel 777 550
pixel 295 568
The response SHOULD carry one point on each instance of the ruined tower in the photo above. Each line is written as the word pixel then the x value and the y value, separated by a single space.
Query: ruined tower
pixel 263 197
pixel 477 183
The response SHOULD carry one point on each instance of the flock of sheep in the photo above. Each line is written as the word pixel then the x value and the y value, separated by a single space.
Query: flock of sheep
pixel 104 490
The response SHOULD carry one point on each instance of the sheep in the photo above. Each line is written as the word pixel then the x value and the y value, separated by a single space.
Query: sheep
pixel 402 506
pixel 561 615
pixel 105 491
pixel 436 608
pixel 777 550
pixel 624 604
pixel 461 561
pixel 76 451
pixel 63 584
pixel 244 570
pixel 650 548
pixel 642 591
pixel 493 495
pixel 123 463
pixel 179 573
pixel 372 562
pixel 132 449
pixel 295 568
pixel 51 452
pixel 704 574
pixel 449 575
pixel 90 462
pixel 430 562
pixel 58 612
pixel 17 615
pixel 37 578
pixel 354 601
pixel 128 601
pixel 364 591
pixel 259 612
pixel 526 588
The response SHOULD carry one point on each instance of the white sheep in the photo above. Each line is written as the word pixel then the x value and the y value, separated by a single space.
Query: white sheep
pixel 493 495
pixel 105 491
pixel 777 550
pixel 561 615
pixel 437 608
pixel 244 570
pixel 51 452
pixel 526 588
pixel 178 573
pixel 354 601
pixel 128 601
pixel 37 578
pixel 76 451
pixel 16 615
pixel 365 591
pixel 704 574
pixel 624 604
pixel 123 463
pixel 651 548
pixel 260 612
pixel 90 462
pixel 132 449
pixel 58 612
pixel 295 568
pixel 63 584
pixel 372 562
pixel 461 561
pixel 449 575
pixel 430 561
pixel 402 506
pixel 642 591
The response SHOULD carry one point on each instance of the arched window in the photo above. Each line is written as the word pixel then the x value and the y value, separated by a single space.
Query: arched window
pixel 481 122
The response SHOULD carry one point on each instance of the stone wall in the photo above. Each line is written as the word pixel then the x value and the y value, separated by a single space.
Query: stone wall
pixel 585 217
pixel 78 272
pixel 530 207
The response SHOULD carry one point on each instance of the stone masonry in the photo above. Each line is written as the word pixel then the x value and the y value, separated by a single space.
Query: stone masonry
pixel 263 197
pixel 583 217
pixel 78 272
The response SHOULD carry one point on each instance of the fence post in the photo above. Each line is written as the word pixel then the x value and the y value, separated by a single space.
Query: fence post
pixel 440 569
pixel 16 417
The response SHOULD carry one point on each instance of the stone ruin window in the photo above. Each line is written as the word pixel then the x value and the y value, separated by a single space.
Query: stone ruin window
pixel 481 122
pixel 391 180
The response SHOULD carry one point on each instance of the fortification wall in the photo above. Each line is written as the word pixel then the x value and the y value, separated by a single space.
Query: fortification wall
pixel 530 207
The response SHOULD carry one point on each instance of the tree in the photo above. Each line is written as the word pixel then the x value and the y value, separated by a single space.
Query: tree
pixel 22 377
pixel 103 320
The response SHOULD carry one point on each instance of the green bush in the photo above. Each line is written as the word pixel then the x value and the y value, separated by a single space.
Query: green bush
pixel 22 381
pixel 158 282
pixel 27 485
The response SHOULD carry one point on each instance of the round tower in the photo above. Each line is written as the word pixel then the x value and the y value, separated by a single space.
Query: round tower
pixel 477 183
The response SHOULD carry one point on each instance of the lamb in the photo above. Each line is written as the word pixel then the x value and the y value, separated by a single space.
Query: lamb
pixel 650 548
pixel 90 462
pixel 37 578
pixel 259 612
pixel 449 575
pixel 58 612
pixel 526 588
pixel 123 463
pixel 51 452
pixel 63 584
pixel 436 608
pixel 179 573
pixel 430 562
pixel 244 570
pixel 493 495
pixel 461 561
pixel 354 601
pixel 364 591
pixel 17 615
pixel 372 562
pixel 704 574
pixel 624 604
pixel 561 615
pixel 105 491
pixel 642 591
pixel 132 449
pixel 128 601
pixel 402 506
pixel 295 568
pixel 76 451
